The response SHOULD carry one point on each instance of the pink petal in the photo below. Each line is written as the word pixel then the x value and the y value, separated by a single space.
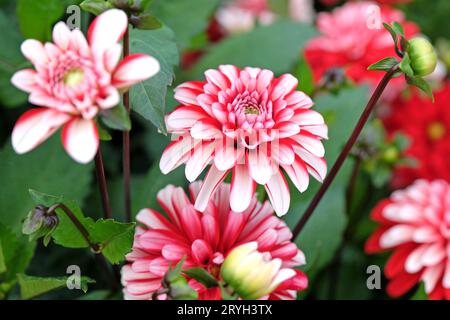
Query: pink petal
pixel 310 143
pixel 210 230
pixel 61 36
pixel 260 166
pixel 320 130
pixel 153 219
pixel 242 188
pixel 205 129
pixel 25 80
pixel 283 86
pixel 217 78
pixel 201 251
pixel 175 153
pixel 278 192
pixel 106 30
pixel 318 164
pixel 34 51
pixel 225 154
pixel 264 79
pixel 287 129
pixel 35 126
pixel 198 161
pixel 283 153
pixel 184 117
pixel 305 117
pixel 230 71
pixel 187 93
pixel 298 173
pixel 134 69
pixel 210 184
pixel 112 57
pixel 80 139
pixel 190 222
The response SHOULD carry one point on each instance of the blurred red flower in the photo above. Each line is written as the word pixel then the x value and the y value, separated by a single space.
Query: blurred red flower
pixel 427 124
pixel 352 37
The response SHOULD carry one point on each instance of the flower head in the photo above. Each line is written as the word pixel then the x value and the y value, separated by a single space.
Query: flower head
pixel 352 37
pixel 427 125
pixel 249 122
pixel 205 239
pixel 73 80
pixel 252 274
pixel 415 224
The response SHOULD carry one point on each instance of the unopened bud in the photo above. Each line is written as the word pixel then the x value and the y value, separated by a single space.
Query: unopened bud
pixel 423 56
pixel 40 223
pixel 252 274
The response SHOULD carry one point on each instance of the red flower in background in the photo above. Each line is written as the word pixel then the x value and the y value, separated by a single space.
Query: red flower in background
pixel 353 38
pixel 390 2
pixel 205 239
pixel 415 224
pixel 427 124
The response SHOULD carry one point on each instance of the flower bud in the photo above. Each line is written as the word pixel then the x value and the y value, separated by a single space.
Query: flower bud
pixel 423 56
pixel 252 274
pixel 40 223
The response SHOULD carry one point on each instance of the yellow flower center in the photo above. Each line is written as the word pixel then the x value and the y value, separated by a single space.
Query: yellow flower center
pixel 251 109
pixel 436 131
pixel 74 77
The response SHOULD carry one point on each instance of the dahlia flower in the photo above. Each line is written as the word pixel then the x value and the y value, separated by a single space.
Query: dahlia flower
pixel 206 239
pixel 73 80
pixel 427 125
pixel 352 37
pixel 415 224
pixel 249 122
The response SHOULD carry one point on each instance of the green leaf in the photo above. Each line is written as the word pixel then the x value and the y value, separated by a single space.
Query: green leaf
pixel 422 84
pixel 398 28
pixel 32 287
pixel 195 17
pixel 66 233
pixel 36 18
pixel 323 233
pixel 305 78
pixel 115 238
pixel 17 253
pixel 275 47
pixel 96 295
pixel 11 60
pixel 44 199
pixel 384 65
pixel 103 134
pixel 47 168
pixel 420 294
pixel 405 66
pixel 95 6
pixel 393 33
pixel 202 276
pixel 116 118
pixel 148 98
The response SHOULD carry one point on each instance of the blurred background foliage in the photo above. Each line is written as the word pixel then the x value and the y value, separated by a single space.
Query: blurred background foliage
pixel 332 240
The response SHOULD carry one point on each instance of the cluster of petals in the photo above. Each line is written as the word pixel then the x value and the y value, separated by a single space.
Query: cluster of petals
pixel 75 79
pixel 415 224
pixel 251 123
pixel 427 126
pixel 352 38
pixel 205 240
pixel 243 15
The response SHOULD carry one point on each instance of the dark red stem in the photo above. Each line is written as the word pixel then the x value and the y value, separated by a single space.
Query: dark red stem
pixel 344 153
pixel 103 187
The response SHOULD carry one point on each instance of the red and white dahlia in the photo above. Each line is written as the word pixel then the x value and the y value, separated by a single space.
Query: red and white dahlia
pixel 352 37
pixel 73 80
pixel 248 122
pixel 415 224
pixel 205 239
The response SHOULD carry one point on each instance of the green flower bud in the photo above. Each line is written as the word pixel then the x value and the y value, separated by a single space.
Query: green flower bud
pixel 423 56
pixel 252 274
